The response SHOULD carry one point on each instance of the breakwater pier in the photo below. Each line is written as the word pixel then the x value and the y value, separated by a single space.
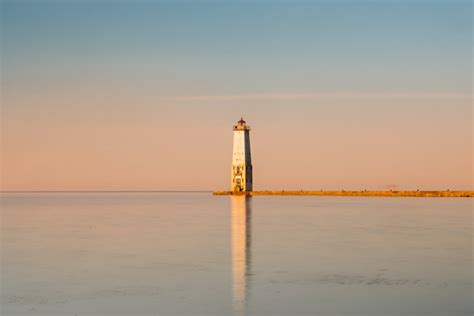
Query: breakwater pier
pixel 391 193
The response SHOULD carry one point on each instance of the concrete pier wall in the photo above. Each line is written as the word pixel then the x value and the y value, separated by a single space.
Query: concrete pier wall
pixel 357 193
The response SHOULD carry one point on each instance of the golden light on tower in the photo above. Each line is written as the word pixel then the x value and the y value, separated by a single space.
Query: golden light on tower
pixel 241 173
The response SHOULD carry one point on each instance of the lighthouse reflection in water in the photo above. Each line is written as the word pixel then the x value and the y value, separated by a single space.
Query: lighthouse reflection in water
pixel 241 251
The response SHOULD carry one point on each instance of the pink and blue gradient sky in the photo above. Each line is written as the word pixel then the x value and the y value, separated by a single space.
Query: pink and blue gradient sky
pixel 142 95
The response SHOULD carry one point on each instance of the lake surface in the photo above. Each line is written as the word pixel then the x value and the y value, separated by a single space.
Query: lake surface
pixel 197 254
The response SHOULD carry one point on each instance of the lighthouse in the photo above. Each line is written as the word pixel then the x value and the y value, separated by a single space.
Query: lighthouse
pixel 241 174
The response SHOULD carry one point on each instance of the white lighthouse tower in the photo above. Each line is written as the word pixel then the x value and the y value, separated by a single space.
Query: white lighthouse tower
pixel 241 175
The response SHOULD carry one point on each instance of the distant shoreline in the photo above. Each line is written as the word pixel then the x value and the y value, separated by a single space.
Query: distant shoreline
pixel 392 193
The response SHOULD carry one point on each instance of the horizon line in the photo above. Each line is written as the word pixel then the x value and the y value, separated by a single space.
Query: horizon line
pixel 211 191
pixel 103 191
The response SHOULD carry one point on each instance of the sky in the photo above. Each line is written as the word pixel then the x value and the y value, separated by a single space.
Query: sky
pixel 142 95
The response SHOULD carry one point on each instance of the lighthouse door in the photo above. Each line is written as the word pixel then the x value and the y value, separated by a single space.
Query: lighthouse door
pixel 238 187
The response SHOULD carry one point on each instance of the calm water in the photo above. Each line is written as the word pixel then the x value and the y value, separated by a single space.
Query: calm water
pixel 195 254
